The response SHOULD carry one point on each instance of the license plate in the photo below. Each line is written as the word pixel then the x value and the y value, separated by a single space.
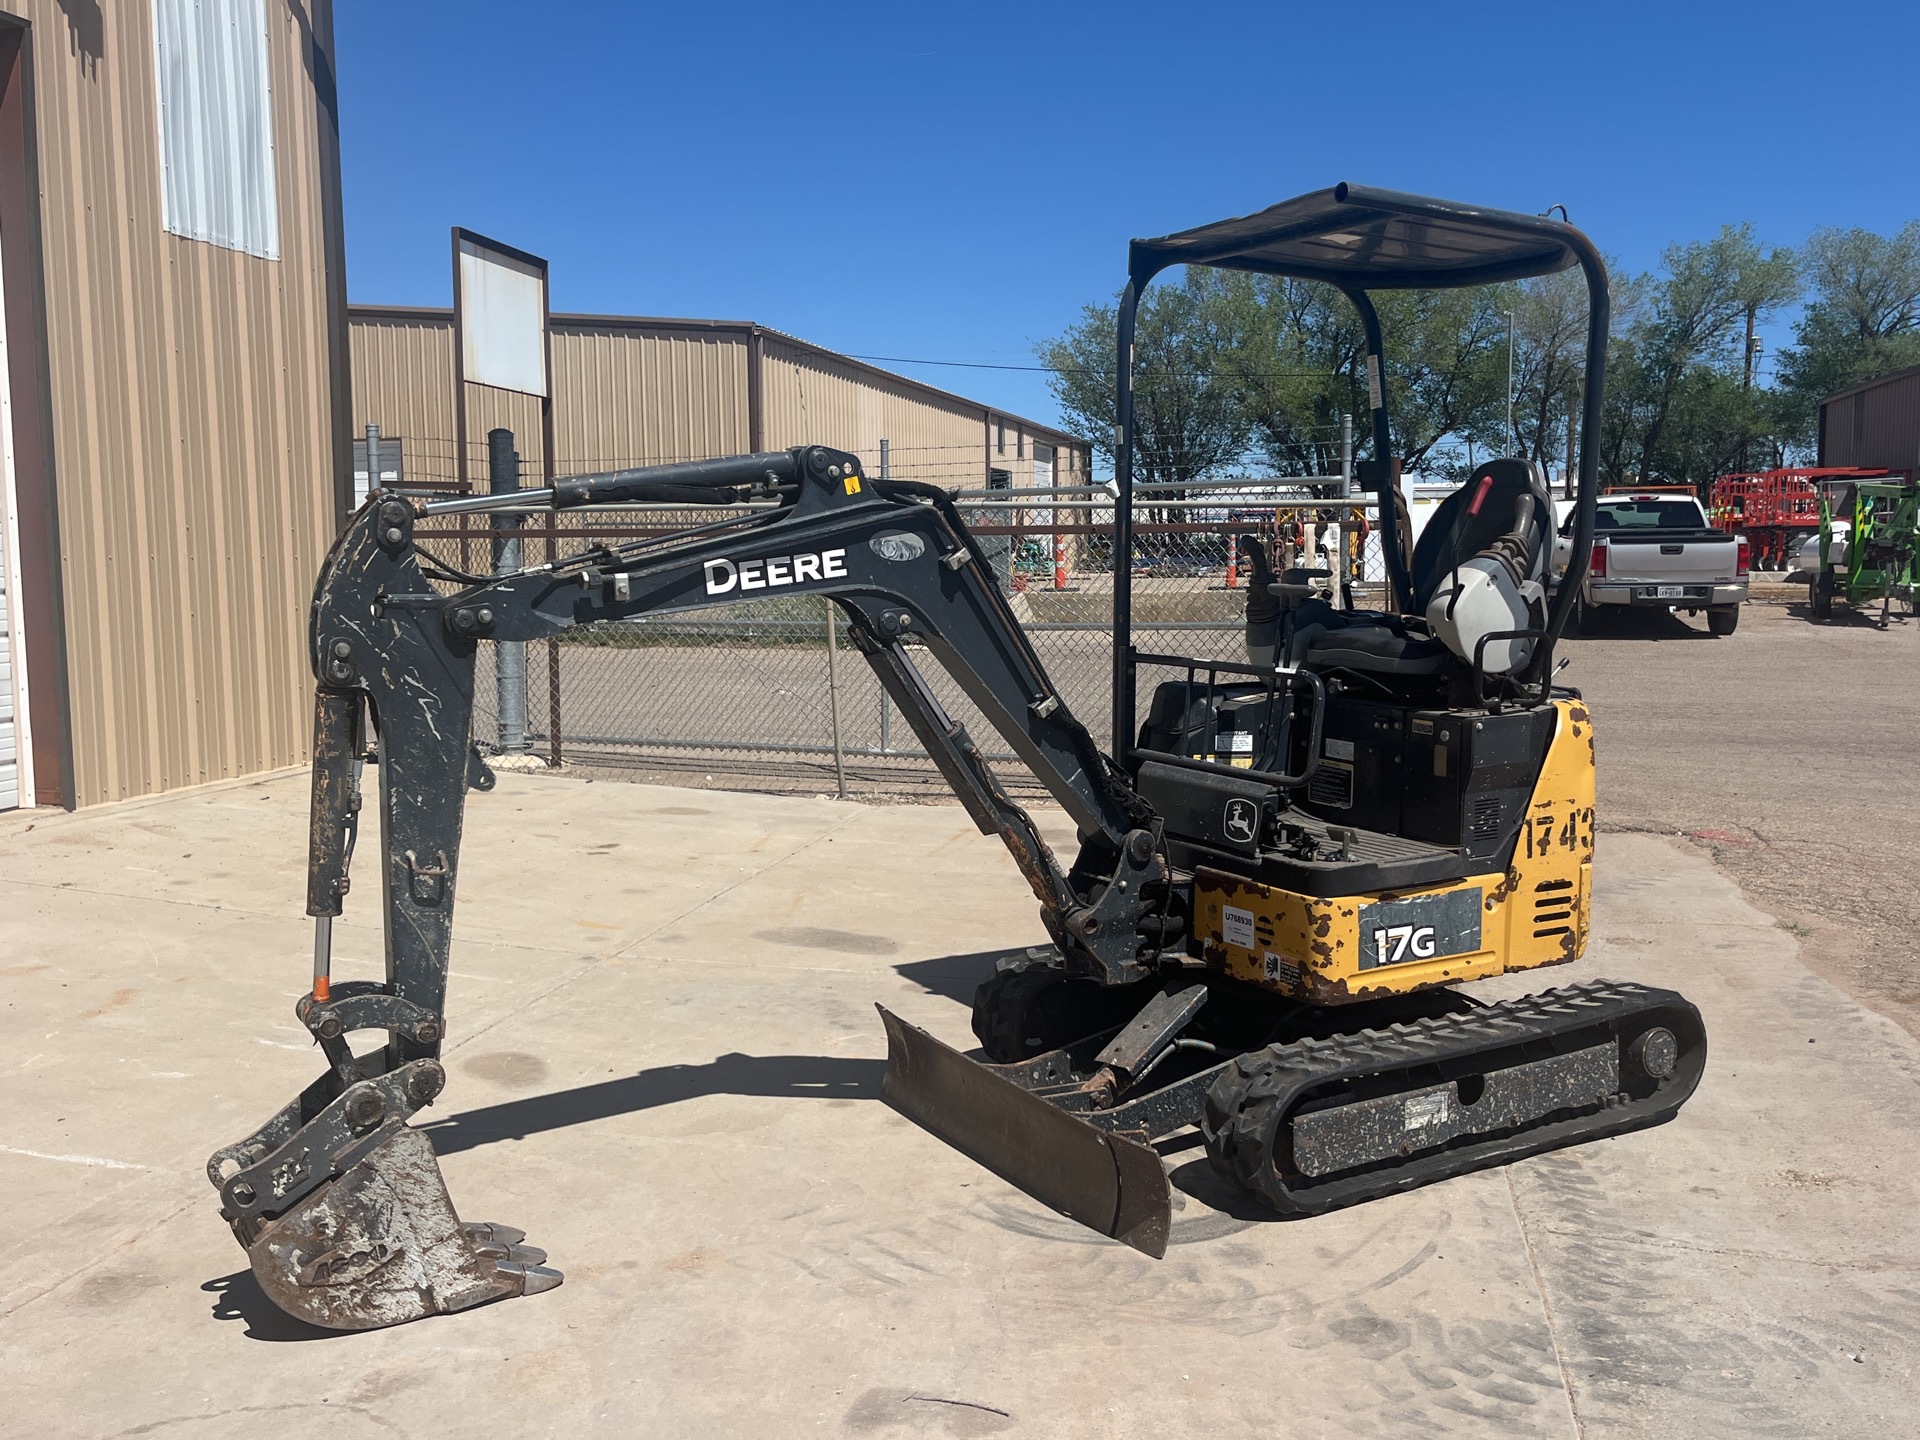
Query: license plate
pixel 1669 592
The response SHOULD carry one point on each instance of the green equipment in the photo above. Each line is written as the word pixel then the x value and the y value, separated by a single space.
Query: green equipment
pixel 1878 560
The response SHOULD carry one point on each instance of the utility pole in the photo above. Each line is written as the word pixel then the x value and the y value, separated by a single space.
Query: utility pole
pixel 1573 425
pixel 1512 440
pixel 1754 347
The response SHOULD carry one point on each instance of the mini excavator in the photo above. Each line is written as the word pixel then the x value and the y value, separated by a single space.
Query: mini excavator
pixel 1283 873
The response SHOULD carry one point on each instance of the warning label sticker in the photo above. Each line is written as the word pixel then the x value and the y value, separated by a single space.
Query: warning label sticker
pixel 1278 969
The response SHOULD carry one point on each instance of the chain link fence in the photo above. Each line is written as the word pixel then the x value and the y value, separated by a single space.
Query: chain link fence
pixel 770 694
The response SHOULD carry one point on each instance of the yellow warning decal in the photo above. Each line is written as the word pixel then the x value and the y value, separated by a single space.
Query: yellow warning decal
pixel 853 484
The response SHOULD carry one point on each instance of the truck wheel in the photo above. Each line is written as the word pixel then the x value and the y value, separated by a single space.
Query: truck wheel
pixel 1580 622
pixel 1820 595
pixel 1721 619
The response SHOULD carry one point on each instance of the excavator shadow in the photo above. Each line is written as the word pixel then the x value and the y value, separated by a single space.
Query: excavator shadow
pixel 239 1297
pixel 955 977
pixel 818 1077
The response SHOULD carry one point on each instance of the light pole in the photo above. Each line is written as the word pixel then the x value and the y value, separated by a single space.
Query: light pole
pixel 1510 439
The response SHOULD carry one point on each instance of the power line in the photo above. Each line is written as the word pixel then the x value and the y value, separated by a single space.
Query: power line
pixel 1090 370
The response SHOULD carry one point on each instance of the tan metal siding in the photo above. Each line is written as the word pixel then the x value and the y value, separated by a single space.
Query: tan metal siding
pixel 191 418
pixel 636 392
pixel 642 397
pixel 623 395
pixel 403 382
pixel 815 398
pixel 488 409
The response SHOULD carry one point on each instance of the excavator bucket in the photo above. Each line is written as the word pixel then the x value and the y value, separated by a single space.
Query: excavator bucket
pixel 377 1243
pixel 381 1245
pixel 1108 1182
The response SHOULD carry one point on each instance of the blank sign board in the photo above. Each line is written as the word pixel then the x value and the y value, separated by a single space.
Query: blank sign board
pixel 503 316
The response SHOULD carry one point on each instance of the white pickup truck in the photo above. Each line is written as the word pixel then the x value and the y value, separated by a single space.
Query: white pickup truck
pixel 1658 551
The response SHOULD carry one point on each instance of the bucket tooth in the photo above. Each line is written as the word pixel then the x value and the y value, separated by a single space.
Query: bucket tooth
pixel 380 1245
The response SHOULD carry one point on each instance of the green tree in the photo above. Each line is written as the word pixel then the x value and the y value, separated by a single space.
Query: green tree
pixel 1667 418
pixel 1863 320
pixel 1187 417
pixel 1549 361
pixel 1299 365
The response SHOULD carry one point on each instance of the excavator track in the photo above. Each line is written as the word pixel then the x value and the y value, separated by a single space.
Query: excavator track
pixel 1319 1124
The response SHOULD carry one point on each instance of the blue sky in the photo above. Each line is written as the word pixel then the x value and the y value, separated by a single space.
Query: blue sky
pixel 954 183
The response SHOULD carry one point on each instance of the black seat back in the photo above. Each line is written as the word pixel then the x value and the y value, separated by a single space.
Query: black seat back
pixel 1475 516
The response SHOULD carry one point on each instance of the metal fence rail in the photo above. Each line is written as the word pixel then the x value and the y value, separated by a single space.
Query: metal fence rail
pixel 772 695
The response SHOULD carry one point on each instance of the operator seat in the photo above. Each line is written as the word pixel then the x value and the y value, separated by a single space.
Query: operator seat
pixel 1479 569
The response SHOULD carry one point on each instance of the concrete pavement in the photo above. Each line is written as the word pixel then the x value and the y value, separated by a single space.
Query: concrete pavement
pixel 665 1066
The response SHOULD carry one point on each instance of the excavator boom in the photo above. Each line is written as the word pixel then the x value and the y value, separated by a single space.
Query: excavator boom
pixel 337 1200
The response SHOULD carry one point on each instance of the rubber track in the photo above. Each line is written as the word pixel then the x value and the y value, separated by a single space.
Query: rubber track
pixel 1248 1104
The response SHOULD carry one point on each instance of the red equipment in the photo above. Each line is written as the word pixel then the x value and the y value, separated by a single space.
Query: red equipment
pixel 1775 509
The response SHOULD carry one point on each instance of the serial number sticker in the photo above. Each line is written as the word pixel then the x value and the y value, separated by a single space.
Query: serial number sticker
pixel 1281 970
pixel 1237 926
pixel 1339 749
pixel 1426 1110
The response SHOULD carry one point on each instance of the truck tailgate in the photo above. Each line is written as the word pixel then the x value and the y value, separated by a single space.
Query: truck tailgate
pixel 1670 559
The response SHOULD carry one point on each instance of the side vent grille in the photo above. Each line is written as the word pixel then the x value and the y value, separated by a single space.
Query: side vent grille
pixel 1332 785
pixel 1483 820
pixel 1553 902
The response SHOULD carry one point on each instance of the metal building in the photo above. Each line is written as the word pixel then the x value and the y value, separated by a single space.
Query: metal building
pixel 172 311
pixel 635 391
pixel 1875 424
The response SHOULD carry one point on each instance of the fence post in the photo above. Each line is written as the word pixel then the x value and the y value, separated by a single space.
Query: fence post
pixel 373 463
pixel 1344 569
pixel 509 656
pixel 886 705
pixel 833 700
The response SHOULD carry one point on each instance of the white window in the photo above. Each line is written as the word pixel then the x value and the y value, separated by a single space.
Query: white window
pixel 216 124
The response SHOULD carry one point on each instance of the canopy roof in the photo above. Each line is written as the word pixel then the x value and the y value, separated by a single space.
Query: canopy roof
pixel 1372 240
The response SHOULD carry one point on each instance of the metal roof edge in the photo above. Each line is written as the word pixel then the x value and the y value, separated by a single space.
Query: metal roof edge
pixel 868 367
pixel 443 315
pixel 1904 373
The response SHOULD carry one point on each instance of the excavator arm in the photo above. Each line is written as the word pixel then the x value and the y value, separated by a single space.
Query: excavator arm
pixel 338 1201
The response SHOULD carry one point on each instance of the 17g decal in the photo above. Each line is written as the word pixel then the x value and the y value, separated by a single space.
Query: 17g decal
pixel 1394 943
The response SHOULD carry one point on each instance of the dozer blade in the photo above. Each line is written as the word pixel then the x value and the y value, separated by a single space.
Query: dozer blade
pixel 1107 1182
pixel 380 1245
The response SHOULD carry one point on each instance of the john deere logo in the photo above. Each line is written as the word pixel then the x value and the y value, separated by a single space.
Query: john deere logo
pixel 1241 821
pixel 897 546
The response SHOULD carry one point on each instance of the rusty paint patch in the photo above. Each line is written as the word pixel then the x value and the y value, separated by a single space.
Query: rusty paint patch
pixel 1508 884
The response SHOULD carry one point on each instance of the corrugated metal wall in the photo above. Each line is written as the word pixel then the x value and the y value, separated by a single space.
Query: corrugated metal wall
pixel 402 370
pixel 191 417
pixel 635 392
pixel 216 151
pixel 1874 425
pixel 811 397
pixel 633 396
pixel 624 394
